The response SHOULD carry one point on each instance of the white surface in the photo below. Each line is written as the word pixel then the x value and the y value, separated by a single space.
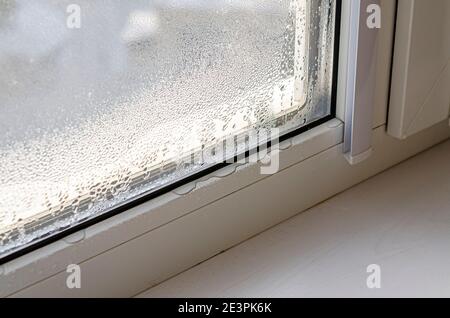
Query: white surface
pixel 360 84
pixel 399 219
pixel 204 228
pixel 383 66
pixel 140 223
pixel 421 70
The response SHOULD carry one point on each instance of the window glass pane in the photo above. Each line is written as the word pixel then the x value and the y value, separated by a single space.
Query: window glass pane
pixel 102 101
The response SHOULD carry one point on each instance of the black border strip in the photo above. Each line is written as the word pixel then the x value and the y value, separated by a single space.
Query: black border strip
pixel 196 307
pixel 170 187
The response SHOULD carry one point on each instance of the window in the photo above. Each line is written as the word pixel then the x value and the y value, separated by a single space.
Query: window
pixel 104 105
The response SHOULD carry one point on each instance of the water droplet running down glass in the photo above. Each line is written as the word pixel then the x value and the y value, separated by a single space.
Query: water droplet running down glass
pixel 92 117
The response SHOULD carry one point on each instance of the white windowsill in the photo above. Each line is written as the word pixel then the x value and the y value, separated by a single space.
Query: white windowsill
pixel 391 220
pixel 136 250
pixel 137 222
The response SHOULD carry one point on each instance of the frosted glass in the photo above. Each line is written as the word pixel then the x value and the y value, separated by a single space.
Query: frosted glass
pixel 92 117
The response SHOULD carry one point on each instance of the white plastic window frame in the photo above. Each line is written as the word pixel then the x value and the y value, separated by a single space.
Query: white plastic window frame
pixel 43 268
pixel 135 222
pixel 299 95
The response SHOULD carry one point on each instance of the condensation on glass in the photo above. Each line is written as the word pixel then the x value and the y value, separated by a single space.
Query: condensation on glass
pixel 101 102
